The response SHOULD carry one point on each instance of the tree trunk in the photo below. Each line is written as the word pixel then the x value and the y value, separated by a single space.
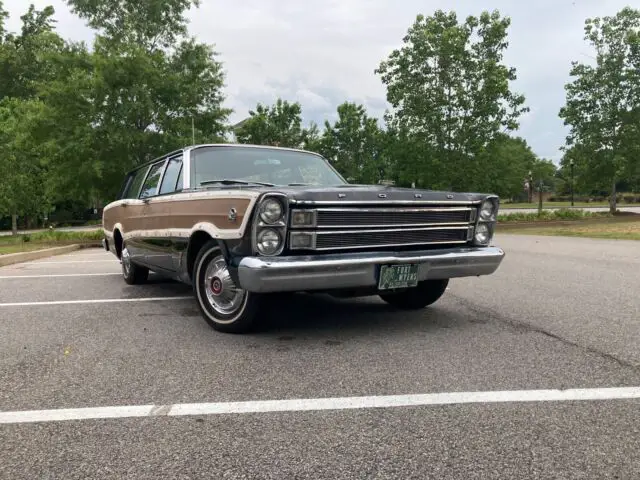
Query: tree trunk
pixel 613 201
pixel 14 224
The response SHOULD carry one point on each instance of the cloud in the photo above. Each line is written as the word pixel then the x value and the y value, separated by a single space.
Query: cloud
pixel 322 53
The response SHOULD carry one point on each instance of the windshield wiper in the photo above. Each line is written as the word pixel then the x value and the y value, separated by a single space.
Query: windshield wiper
pixel 299 184
pixel 229 181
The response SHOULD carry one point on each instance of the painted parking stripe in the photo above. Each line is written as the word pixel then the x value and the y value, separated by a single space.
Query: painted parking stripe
pixel 317 404
pixel 70 261
pixel 9 277
pixel 101 300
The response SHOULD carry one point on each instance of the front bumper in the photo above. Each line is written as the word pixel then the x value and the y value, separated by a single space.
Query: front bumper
pixel 354 270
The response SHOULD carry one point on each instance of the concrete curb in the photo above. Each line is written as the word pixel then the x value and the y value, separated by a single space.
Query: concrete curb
pixel 11 258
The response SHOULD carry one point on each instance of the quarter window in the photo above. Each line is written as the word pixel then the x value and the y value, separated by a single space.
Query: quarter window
pixel 150 187
pixel 169 182
pixel 135 183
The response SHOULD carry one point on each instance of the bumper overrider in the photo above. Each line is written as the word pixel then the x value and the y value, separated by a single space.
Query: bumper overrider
pixel 354 270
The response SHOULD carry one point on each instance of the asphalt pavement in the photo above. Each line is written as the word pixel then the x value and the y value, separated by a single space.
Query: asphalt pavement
pixel 560 314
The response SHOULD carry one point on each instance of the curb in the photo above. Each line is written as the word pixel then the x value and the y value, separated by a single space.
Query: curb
pixel 11 258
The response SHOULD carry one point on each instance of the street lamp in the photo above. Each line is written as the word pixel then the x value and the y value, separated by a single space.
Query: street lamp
pixel 571 166
pixel 530 187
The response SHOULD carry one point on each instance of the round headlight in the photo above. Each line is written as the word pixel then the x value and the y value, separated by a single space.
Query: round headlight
pixel 487 210
pixel 483 234
pixel 268 242
pixel 271 211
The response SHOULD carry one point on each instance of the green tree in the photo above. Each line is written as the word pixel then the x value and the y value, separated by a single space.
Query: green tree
pixel 23 188
pixel 150 24
pixel 277 125
pixel 143 88
pixel 354 145
pixel 449 89
pixel 24 67
pixel 603 100
pixel 506 161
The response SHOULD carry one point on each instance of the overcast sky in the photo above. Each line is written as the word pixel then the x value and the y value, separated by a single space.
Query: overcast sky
pixel 323 52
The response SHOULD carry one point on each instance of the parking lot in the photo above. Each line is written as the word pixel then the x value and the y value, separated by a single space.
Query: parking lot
pixel 533 372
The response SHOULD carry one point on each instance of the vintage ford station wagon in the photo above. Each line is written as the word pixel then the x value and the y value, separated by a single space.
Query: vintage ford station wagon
pixel 238 222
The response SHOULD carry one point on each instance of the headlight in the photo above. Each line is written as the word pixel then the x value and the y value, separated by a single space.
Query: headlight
pixel 487 210
pixel 271 211
pixel 483 234
pixel 268 241
pixel 302 218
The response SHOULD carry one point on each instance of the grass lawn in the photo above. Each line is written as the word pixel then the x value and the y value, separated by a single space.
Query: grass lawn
pixel 625 228
pixel 565 205
pixel 48 239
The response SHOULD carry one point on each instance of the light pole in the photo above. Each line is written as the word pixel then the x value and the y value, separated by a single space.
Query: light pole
pixel 571 166
pixel 530 187
pixel 540 186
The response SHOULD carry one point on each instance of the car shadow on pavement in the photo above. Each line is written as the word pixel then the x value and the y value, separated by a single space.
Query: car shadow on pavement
pixel 315 312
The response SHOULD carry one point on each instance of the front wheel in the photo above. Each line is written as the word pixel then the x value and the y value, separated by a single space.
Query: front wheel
pixel 420 296
pixel 224 306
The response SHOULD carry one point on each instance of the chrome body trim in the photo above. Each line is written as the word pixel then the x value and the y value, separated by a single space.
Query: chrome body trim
pixel 353 270
pixel 386 202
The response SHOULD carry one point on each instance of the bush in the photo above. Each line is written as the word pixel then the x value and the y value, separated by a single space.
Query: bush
pixel 53 236
pixel 549 215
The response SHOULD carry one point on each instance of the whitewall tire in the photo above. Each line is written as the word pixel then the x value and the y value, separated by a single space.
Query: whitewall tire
pixel 224 306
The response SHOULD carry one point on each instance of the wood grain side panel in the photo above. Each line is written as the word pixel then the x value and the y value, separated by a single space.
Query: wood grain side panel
pixel 178 214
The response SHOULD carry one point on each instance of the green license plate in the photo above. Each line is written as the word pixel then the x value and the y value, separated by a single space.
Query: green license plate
pixel 398 276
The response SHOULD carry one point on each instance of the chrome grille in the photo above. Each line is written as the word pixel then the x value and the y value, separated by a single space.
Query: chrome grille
pixel 389 237
pixel 342 227
pixel 391 217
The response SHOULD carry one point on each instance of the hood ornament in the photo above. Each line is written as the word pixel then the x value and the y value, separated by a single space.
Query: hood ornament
pixel 233 214
pixel 342 195
pixel 382 195
pixel 449 196
pixel 417 195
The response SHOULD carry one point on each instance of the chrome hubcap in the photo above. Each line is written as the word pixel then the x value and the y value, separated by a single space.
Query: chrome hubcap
pixel 126 261
pixel 222 293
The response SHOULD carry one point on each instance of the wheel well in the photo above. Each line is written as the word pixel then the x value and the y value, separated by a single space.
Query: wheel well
pixel 196 242
pixel 117 241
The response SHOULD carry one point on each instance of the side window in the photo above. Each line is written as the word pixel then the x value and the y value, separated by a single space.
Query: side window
pixel 135 183
pixel 150 187
pixel 180 180
pixel 171 176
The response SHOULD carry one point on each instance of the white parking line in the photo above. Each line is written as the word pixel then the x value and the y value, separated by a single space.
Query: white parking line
pixel 303 405
pixel 113 260
pixel 8 277
pixel 101 300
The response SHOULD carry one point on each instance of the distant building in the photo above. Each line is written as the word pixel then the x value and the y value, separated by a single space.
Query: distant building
pixel 232 138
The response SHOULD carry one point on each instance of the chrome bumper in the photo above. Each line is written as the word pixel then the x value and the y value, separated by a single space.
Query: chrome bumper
pixel 352 270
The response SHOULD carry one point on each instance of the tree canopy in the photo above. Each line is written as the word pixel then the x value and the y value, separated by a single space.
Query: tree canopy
pixel 603 102
pixel 75 117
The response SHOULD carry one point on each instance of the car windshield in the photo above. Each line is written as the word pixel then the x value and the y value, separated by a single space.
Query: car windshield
pixel 262 165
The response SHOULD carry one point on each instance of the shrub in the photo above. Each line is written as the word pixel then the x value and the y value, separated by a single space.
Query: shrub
pixel 549 215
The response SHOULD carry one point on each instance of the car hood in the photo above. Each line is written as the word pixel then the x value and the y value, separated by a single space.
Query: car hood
pixel 373 193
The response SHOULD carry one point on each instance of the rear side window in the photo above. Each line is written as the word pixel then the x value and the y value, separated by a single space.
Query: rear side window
pixel 150 187
pixel 135 183
pixel 169 182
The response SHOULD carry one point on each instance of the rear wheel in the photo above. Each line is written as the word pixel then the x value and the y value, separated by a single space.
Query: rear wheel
pixel 133 274
pixel 422 295
pixel 224 306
